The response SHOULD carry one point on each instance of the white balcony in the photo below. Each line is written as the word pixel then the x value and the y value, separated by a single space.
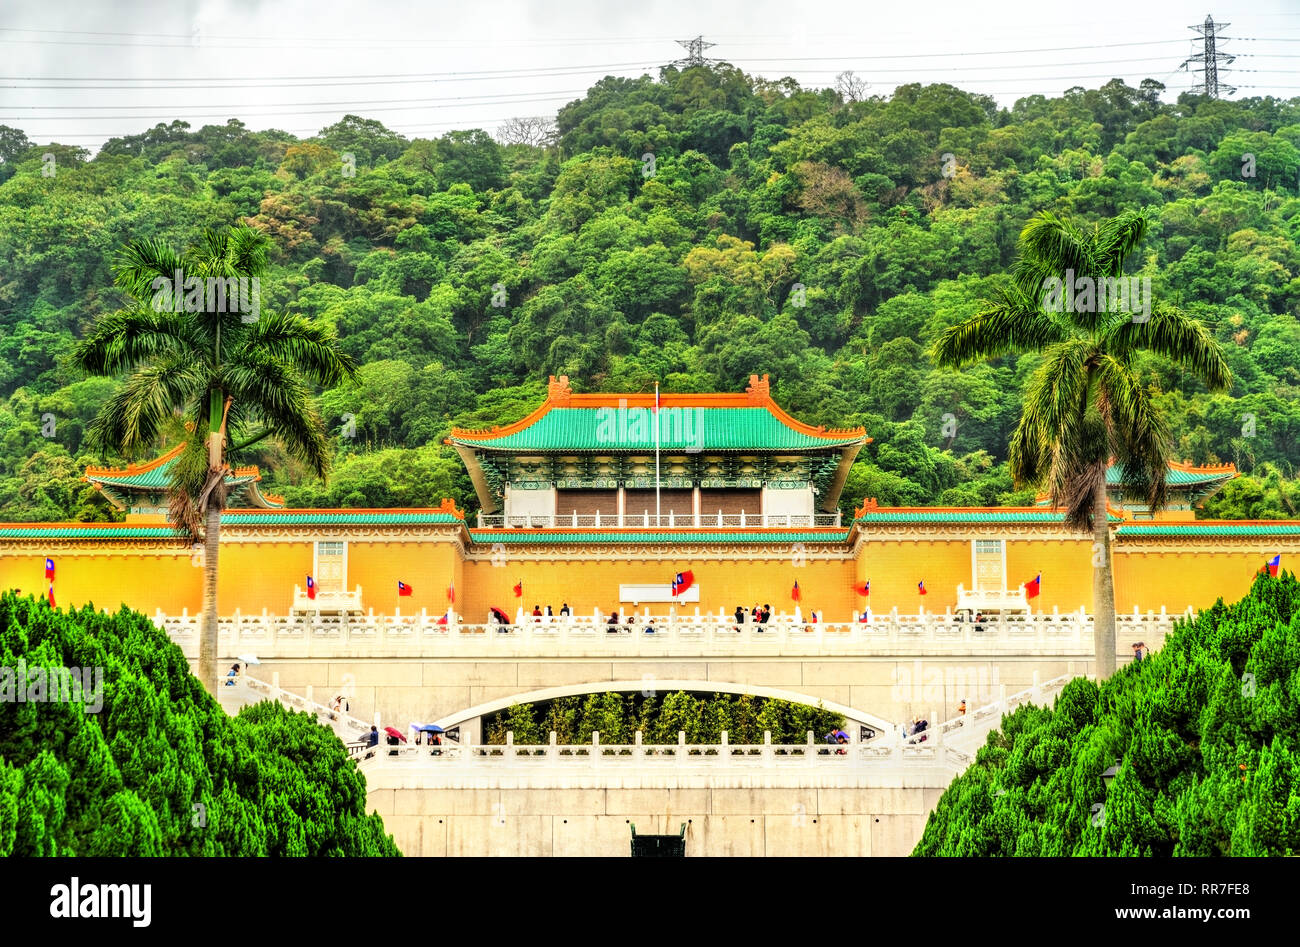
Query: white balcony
pixel 333 602
pixel 647 520
pixel 992 600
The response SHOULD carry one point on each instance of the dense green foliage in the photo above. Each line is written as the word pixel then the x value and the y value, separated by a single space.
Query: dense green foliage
pixel 161 769
pixel 617 717
pixel 778 229
pixel 1208 731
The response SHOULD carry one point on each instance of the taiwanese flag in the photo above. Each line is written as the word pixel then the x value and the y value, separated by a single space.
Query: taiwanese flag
pixel 1272 565
pixel 863 588
pixel 442 620
pixel 1032 588
pixel 683 581
pixel 403 588
pixel 920 588
pixel 51 595
pixel 311 588
pixel 49 568
pixel 519 589
pixel 795 593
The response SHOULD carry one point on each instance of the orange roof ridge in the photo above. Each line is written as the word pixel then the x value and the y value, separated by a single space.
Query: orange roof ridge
pixel 133 470
pixel 559 394
pixel 1189 467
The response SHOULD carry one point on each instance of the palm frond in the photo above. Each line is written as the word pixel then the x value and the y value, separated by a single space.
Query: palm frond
pixel 1054 406
pixel 310 347
pixel 140 263
pixel 1049 246
pixel 1012 324
pixel 1179 338
pixel 121 340
pixel 1140 436
pixel 135 413
pixel 273 393
pixel 1116 239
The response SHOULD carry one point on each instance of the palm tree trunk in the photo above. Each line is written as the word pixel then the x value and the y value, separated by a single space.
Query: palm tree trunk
pixel 208 632
pixel 1103 588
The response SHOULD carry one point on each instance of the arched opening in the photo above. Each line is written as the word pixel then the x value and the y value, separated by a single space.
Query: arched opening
pixel 469 723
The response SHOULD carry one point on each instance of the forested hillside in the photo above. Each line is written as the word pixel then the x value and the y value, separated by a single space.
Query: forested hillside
pixel 694 229
pixel 1205 734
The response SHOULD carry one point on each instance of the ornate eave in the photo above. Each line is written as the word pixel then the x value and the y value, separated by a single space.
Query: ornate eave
pixel 475 446
pixel 148 483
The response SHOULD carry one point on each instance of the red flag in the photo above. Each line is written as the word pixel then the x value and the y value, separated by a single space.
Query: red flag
pixel 1272 565
pixel 795 593
pixel 519 589
pixel 683 581
pixel 403 588
pixel 49 568
pixel 451 592
pixel 311 588
pixel 1032 588
pixel 920 588
pixel 442 620
pixel 51 595
pixel 863 588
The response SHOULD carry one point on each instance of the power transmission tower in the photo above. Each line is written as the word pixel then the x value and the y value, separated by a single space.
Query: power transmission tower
pixel 1210 56
pixel 694 52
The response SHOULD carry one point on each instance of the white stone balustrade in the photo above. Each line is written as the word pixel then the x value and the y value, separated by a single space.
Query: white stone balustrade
pixel 648 520
pixel 369 635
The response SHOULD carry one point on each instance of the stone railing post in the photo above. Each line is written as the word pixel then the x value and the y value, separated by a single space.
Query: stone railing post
pixel 595 747
pixel 638 751
pixel 810 754
pixel 724 749
pixel 934 731
pixel 681 747
pixel 552 751
pixel 769 757
pixel 510 746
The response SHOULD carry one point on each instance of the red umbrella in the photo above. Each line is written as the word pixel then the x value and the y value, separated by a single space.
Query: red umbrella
pixel 394 732
pixel 500 616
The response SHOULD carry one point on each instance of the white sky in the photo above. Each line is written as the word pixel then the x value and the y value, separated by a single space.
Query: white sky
pixel 423 68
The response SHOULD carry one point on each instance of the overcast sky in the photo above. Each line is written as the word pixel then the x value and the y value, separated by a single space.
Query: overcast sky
pixel 82 71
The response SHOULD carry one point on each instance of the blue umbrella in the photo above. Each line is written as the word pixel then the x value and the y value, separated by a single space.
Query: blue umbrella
pixel 429 728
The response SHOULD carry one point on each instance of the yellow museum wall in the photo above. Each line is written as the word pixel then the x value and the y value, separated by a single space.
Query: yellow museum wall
pixel 1174 579
pixel 144 580
pixel 261 575
pixel 1066 565
pixel 427 566
pixel 825 585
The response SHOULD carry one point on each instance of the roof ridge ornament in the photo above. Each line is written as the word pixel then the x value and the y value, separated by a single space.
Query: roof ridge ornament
pixel 760 392
pixel 558 391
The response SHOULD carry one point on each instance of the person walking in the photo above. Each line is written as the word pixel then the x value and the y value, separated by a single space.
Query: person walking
pixel 564 610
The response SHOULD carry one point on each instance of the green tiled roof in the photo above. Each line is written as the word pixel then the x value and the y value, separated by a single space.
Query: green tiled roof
pixel 1173 476
pixel 973 515
pixel 258 518
pixel 44 531
pixel 340 518
pixel 595 429
pixel 487 537
pixel 1211 529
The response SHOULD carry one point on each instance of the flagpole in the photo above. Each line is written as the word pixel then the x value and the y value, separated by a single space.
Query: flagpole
pixel 658 522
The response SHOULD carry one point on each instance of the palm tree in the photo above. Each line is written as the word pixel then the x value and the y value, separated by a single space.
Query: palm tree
pixel 1085 405
pixel 233 379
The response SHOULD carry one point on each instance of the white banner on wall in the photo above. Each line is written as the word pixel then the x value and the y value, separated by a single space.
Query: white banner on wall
pixel 656 593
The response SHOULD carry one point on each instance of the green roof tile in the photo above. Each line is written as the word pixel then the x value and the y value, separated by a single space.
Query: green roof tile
pixel 1173 476
pixel 339 518
pixel 973 515
pixel 692 429
pixel 1210 529
pixel 514 537
pixel 87 532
